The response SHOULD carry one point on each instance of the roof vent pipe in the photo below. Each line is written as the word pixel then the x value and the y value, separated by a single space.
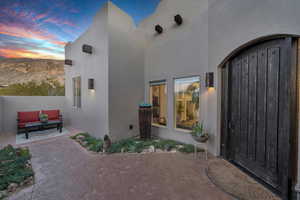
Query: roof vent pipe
pixel 159 29
pixel 178 19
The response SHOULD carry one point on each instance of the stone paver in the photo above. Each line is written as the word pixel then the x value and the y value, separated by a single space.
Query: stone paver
pixel 65 171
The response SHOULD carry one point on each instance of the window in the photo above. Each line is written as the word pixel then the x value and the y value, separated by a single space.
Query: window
pixel 158 99
pixel 187 91
pixel 77 92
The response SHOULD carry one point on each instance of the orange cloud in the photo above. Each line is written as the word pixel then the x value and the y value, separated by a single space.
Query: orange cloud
pixel 23 53
pixel 59 43
pixel 22 32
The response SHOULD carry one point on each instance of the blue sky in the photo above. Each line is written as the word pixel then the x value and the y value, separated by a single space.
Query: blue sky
pixel 41 28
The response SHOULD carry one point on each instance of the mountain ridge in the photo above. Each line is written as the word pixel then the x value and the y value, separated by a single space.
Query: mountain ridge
pixel 23 70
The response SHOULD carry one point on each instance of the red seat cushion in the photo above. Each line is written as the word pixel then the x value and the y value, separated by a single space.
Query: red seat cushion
pixel 52 114
pixel 25 117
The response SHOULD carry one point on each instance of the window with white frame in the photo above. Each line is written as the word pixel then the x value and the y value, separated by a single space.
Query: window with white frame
pixel 158 99
pixel 77 92
pixel 186 101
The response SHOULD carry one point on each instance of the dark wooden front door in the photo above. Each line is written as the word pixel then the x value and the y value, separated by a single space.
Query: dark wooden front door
pixel 257 86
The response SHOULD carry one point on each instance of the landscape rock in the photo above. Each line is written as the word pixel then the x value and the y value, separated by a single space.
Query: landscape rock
pixel 80 137
pixel 151 149
pixel 12 187
pixel 28 181
pixel 28 164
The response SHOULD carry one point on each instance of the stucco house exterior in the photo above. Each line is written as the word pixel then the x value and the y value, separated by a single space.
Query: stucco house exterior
pixel 250 111
pixel 108 108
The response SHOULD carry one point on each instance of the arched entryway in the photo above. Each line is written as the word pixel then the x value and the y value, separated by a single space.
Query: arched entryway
pixel 259 111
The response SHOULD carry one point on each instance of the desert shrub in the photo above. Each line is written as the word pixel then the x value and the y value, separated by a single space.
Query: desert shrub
pixel 188 148
pixel 89 142
pixel 45 88
pixel 14 166
pixel 133 145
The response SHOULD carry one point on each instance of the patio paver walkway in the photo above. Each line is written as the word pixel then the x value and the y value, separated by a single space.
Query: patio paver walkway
pixel 65 171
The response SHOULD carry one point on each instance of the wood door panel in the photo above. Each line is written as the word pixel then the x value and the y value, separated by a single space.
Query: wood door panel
pixel 252 105
pixel 235 106
pixel 261 106
pixel 257 80
pixel 272 108
pixel 244 108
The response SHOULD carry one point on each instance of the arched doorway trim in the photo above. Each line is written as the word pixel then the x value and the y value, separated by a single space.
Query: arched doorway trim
pixel 254 42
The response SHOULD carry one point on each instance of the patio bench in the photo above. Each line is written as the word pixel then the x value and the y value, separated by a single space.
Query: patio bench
pixel 30 121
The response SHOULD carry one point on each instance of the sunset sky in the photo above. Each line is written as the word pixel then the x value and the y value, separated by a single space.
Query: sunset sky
pixel 41 28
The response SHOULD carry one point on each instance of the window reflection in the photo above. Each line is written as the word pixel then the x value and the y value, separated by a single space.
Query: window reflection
pixel 158 99
pixel 187 91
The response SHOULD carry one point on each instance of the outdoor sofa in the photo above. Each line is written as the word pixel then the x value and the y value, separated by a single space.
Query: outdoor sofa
pixel 30 121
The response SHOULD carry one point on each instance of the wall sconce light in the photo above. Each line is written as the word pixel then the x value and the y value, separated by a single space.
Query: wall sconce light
pixel 87 49
pixel 159 29
pixel 91 84
pixel 209 79
pixel 69 62
pixel 178 19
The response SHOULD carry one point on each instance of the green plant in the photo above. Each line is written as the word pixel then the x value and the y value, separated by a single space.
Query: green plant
pixel 89 142
pixel 198 130
pixel 132 145
pixel 43 117
pixel 14 166
pixel 166 144
pixel 188 148
pixel 126 145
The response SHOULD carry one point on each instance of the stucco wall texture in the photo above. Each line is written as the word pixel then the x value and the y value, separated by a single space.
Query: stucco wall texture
pixel 116 64
pixel 126 74
pixel 93 114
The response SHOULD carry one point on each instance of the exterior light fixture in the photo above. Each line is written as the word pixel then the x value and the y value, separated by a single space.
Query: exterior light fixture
pixel 178 19
pixel 87 49
pixel 209 80
pixel 159 29
pixel 91 84
pixel 69 62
